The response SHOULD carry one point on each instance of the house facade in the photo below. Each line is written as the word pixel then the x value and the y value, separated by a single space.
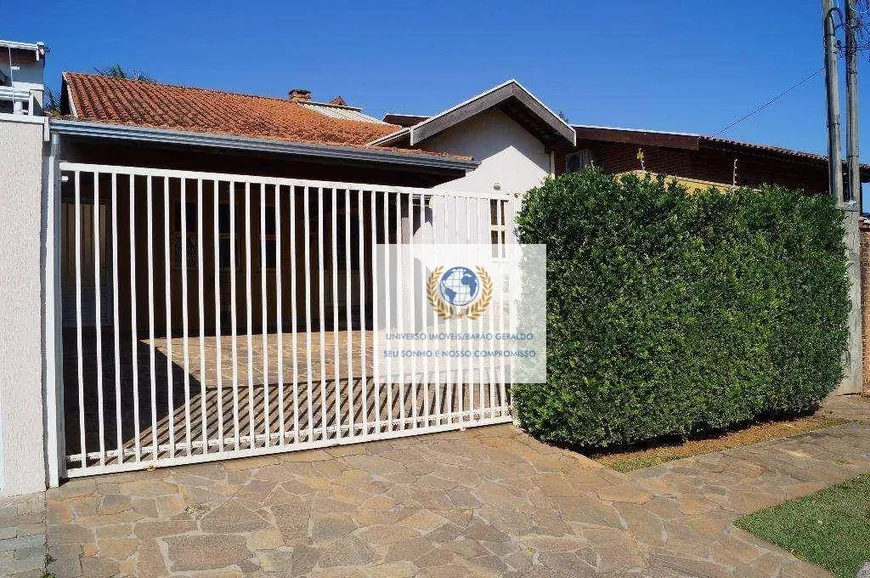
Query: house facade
pixel 207 271
pixel 21 87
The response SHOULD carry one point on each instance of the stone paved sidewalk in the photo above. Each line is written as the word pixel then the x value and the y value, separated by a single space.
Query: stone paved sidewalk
pixel 852 407
pixel 488 501
pixel 22 536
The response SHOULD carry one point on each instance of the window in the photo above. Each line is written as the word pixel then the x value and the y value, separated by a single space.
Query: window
pixel 498 227
pixel 579 160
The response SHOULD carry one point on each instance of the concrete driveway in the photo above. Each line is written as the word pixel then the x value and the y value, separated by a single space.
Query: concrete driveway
pixel 489 501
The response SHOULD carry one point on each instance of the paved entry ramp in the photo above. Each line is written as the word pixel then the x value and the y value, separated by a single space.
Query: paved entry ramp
pixel 485 501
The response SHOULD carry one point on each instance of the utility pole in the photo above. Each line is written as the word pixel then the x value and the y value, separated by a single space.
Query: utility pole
pixel 853 375
pixel 854 193
pixel 835 164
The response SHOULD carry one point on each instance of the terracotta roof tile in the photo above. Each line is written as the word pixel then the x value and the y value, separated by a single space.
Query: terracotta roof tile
pixel 150 104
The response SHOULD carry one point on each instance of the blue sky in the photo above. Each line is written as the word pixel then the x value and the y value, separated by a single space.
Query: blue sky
pixel 667 65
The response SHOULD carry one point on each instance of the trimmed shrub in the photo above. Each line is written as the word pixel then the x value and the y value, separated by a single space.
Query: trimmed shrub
pixel 670 313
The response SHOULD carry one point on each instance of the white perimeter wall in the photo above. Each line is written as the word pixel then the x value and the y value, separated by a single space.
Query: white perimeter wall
pixel 21 400
pixel 508 154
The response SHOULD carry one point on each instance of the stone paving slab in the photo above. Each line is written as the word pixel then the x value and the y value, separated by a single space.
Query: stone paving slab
pixel 854 406
pixel 22 536
pixel 484 502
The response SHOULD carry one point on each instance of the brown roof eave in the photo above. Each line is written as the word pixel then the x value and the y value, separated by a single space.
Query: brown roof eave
pixel 637 137
pixel 774 153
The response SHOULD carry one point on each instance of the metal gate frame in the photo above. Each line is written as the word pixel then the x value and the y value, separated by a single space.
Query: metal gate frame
pixel 201 447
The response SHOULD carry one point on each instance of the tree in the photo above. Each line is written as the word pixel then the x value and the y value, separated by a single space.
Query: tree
pixel 117 71
pixel 51 102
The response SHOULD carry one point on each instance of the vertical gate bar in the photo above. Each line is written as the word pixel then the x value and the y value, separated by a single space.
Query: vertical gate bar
pixel 184 310
pixel 321 291
pixel 400 306
pixel 116 320
pixel 200 264
pixel 362 310
pixel 469 324
pixel 265 321
pixel 81 371
pixel 336 371
pixel 502 257
pixel 98 261
pixel 234 315
pixel 134 305
pixel 279 298
pixel 492 385
pixel 375 324
pixel 168 292
pixel 411 302
pixel 509 218
pixel 460 366
pixel 151 338
pixel 219 369
pixel 473 217
pixel 424 319
pixel 351 407
pixel 387 306
pixel 449 204
pixel 307 241
pixel 249 309
pixel 478 223
pixel 460 325
pixel 466 387
pixel 294 320
pixel 477 241
pixel 436 381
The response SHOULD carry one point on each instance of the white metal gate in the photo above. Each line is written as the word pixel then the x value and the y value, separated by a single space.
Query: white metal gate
pixel 240 316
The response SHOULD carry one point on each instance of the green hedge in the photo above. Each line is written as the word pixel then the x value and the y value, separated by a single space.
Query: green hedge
pixel 670 313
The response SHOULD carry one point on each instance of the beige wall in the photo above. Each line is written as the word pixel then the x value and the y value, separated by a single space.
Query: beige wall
pixel 510 157
pixel 21 376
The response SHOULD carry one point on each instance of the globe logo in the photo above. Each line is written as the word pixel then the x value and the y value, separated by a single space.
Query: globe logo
pixel 459 286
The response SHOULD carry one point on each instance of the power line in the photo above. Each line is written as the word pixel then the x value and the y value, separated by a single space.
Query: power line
pixel 771 101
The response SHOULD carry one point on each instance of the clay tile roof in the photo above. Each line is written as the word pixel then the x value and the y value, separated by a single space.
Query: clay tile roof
pixel 150 104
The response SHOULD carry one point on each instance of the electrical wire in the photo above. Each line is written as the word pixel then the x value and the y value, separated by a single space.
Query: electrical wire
pixel 771 101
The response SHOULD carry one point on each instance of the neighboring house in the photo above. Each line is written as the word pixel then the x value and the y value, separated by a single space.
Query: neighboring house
pixel 208 269
pixel 696 157
pixel 696 160
pixel 21 87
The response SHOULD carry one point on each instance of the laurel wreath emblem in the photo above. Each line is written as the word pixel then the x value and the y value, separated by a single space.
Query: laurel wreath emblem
pixel 446 311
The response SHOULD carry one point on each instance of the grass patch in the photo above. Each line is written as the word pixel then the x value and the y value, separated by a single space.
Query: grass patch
pixel 830 528
pixel 628 459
